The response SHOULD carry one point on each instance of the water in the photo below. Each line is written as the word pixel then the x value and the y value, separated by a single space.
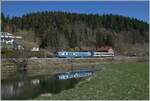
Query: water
pixel 30 88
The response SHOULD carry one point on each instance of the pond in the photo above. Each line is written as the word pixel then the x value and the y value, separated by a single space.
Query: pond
pixel 32 87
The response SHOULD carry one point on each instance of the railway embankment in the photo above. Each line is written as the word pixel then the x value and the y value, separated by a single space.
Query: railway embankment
pixel 8 69
pixel 50 66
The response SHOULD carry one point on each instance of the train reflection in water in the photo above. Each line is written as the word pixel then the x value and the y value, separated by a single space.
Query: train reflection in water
pixel 74 74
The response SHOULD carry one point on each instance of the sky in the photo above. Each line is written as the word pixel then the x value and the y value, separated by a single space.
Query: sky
pixel 135 9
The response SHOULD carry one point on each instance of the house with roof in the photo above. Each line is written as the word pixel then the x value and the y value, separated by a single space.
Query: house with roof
pixel 10 41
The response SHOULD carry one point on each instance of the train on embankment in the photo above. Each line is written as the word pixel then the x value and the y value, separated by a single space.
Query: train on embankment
pixel 103 52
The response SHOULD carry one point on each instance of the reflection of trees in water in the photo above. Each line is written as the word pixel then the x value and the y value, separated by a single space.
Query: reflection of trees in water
pixel 30 88
pixel 48 84
pixel 15 89
pixel 10 89
pixel 54 86
pixel 6 90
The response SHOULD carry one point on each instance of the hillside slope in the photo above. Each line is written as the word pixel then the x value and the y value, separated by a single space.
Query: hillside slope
pixel 61 30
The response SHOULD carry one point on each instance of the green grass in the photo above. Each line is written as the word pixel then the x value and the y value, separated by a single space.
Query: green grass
pixel 120 81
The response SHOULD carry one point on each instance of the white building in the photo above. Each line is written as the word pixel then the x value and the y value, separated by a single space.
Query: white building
pixel 8 38
pixel 35 49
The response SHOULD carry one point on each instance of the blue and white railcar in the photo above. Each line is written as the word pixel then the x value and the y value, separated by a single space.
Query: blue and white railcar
pixel 103 54
pixel 65 54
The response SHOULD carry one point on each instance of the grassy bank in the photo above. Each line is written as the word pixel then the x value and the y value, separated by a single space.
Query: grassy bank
pixel 114 81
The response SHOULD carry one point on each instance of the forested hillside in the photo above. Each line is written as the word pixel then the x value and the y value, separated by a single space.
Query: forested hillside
pixel 61 30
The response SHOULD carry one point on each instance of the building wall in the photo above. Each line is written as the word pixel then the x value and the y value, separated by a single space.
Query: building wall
pixel 9 41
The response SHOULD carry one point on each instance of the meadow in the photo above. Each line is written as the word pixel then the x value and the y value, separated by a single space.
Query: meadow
pixel 116 81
